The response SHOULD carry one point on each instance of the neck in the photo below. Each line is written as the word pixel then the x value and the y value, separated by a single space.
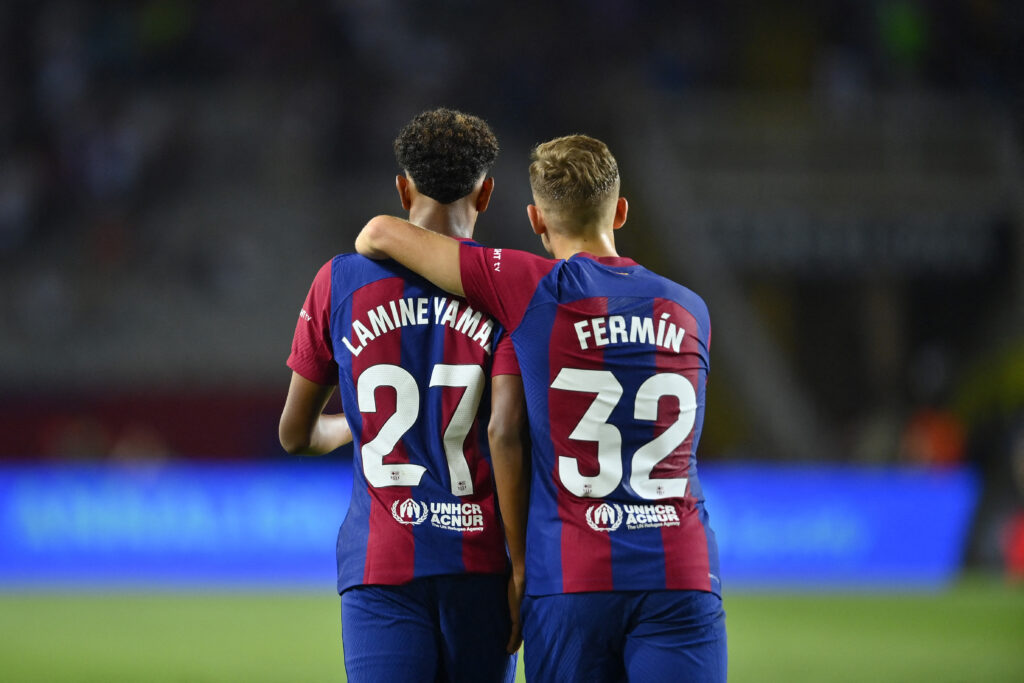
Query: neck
pixel 454 220
pixel 564 246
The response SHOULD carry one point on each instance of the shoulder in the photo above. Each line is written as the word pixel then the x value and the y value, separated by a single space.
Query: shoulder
pixel 641 281
pixel 691 300
pixel 502 281
pixel 499 264
pixel 351 271
pixel 523 261
pixel 687 298
pixel 672 288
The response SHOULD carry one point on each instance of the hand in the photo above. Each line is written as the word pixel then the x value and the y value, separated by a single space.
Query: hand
pixel 515 599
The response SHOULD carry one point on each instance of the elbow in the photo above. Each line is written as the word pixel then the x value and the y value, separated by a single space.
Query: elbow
pixel 370 238
pixel 292 441
pixel 501 435
pixel 372 232
pixel 495 432
pixel 294 447
pixel 376 227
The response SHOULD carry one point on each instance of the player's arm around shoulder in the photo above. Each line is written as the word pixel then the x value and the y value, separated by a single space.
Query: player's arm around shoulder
pixel 434 256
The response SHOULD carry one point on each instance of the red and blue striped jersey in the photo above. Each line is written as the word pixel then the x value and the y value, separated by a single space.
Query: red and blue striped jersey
pixel 412 364
pixel 614 360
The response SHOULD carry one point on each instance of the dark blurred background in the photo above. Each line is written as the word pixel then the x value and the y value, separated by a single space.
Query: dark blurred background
pixel 842 181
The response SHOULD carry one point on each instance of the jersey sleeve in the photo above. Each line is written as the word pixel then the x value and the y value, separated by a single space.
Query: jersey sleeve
pixel 501 282
pixel 505 362
pixel 312 354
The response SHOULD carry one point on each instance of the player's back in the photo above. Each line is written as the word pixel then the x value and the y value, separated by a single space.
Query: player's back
pixel 414 366
pixel 615 361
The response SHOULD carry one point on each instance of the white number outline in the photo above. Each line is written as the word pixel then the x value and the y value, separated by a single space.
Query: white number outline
pixel 472 378
pixel 594 426
pixel 407 407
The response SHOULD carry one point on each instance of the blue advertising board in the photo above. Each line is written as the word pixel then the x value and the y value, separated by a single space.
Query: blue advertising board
pixel 840 526
pixel 778 527
pixel 172 524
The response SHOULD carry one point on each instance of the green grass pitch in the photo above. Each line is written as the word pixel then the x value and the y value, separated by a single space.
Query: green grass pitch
pixel 973 632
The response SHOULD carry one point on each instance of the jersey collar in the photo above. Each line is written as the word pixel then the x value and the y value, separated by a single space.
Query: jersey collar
pixel 615 261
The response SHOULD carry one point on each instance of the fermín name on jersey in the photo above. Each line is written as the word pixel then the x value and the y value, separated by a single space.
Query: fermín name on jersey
pixel 616 329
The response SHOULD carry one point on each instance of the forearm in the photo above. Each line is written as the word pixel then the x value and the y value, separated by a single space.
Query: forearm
pixel 434 256
pixel 509 440
pixel 513 500
pixel 330 431
pixel 508 437
pixel 304 428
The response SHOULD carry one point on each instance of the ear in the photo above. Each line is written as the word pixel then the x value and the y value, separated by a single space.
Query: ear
pixel 404 191
pixel 484 198
pixel 536 219
pixel 621 209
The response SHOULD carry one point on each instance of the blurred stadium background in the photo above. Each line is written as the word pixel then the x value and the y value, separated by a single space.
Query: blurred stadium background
pixel 842 181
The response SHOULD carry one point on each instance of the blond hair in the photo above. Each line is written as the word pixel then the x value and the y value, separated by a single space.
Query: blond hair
pixel 575 180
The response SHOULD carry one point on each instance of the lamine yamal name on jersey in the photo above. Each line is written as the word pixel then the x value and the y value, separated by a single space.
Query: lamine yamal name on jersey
pixel 436 310
pixel 617 329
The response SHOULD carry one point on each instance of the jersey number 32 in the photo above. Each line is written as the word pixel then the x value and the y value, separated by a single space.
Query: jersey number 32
pixel 594 426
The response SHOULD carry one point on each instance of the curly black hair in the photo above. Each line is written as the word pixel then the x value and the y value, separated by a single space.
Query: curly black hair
pixel 445 152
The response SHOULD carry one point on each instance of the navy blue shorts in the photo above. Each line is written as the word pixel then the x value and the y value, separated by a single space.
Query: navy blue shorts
pixel 438 628
pixel 625 635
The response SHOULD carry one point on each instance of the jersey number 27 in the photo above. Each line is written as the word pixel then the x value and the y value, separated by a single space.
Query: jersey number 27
pixel 407 410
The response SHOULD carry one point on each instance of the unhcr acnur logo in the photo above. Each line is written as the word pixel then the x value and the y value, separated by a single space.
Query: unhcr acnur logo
pixel 604 517
pixel 409 511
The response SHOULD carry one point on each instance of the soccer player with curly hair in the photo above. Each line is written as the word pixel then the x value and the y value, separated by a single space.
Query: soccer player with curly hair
pixel 422 566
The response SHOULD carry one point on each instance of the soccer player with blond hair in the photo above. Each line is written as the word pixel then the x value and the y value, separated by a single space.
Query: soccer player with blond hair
pixel 620 568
